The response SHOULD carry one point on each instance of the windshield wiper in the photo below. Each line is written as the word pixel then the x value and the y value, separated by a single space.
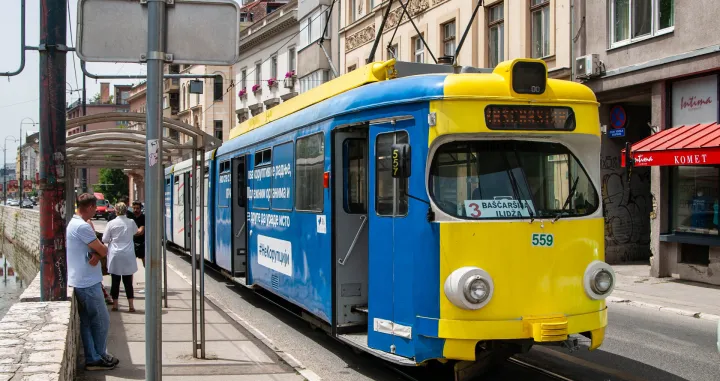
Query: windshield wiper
pixel 567 200
pixel 515 188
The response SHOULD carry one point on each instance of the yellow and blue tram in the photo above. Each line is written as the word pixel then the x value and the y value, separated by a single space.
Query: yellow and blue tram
pixel 419 212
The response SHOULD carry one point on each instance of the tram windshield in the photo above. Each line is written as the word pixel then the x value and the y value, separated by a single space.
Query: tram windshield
pixel 510 180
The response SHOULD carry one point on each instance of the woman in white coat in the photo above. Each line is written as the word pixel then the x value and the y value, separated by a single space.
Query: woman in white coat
pixel 122 263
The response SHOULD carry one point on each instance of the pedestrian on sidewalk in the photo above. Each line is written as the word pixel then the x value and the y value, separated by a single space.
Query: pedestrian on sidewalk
pixel 122 264
pixel 139 218
pixel 84 251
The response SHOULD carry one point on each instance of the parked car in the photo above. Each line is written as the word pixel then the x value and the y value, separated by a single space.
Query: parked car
pixel 27 204
pixel 13 202
pixel 110 212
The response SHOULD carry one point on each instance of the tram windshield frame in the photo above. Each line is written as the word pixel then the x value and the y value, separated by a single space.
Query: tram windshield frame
pixel 510 180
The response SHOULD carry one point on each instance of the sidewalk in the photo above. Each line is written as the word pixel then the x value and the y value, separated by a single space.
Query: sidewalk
pixel 636 287
pixel 232 353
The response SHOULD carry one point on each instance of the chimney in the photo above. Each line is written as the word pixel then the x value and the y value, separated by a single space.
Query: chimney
pixel 104 92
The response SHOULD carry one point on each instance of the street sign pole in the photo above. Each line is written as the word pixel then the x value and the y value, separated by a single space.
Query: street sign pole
pixel 154 184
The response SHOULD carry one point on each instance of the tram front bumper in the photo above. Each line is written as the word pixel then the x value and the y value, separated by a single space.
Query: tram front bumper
pixel 461 336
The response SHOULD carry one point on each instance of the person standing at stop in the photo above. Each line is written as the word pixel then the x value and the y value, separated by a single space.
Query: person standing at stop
pixel 139 218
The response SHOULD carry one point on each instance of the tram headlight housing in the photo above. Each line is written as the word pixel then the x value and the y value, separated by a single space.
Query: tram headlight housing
pixel 469 288
pixel 599 280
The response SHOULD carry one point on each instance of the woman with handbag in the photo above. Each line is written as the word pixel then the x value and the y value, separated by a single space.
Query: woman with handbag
pixel 122 263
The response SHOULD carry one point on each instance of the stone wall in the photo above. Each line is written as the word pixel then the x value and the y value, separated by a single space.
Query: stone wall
pixel 21 230
pixel 38 340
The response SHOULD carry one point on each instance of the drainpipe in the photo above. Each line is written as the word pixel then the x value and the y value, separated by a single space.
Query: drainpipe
pixel 572 42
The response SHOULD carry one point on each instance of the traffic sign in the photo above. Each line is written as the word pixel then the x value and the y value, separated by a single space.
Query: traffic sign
pixel 198 32
pixel 618 117
pixel 617 133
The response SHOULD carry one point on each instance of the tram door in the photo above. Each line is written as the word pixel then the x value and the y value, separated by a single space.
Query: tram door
pixel 391 235
pixel 239 217
pixel 186 208
pixel 350 187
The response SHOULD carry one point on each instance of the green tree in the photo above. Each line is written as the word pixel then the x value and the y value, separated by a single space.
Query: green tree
pixel 113 184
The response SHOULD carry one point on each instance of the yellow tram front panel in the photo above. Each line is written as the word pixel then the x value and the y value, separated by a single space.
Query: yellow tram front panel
pixel 539 292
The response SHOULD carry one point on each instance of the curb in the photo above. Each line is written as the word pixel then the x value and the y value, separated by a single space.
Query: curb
pixel 287 357
pixel 677 311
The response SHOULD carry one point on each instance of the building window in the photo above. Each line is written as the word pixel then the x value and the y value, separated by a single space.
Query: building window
pixel 352 11
pixel 496 35
pixel 449 38
pixel 540 19
pixel 394 52
pixel 291 59
pixel 273 67
pixel 351 68
pixel 309 172
pixel 218 88
pixel 182 101
pixel 419 50
pixel 258 73
pixel 695 193
pixel 219 129
pixel 637 19
pixel 243 79
pixel 387 190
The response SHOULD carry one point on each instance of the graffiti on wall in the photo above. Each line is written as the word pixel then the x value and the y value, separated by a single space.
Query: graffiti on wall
pixel 627 209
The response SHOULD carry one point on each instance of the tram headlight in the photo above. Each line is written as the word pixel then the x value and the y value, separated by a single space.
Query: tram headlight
pixel 599 280
pixel 469 288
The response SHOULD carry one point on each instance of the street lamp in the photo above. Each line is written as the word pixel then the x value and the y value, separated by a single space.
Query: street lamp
pixel 20 182
pixel 5 167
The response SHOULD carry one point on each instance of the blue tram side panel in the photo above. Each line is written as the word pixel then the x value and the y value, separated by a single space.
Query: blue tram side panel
pixel 168 203
pixel 209 209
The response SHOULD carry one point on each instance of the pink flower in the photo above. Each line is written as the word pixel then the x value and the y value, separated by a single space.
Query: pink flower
pixel 242 92
pixel 289 74
pixel 271 82
pixel 255 87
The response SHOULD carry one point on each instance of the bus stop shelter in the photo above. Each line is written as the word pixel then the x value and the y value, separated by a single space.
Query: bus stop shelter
pixel 124 148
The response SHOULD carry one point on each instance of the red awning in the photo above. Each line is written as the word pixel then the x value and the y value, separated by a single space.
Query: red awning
pixel 684 145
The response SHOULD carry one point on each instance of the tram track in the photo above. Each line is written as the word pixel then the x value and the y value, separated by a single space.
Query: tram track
pixel 421 374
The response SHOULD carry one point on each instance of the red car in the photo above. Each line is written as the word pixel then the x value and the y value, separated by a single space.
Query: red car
pixel 102 208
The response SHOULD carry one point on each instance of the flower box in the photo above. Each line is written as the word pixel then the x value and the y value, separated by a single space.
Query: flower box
pixel 272 83
pixel 242 94
pixel 256 89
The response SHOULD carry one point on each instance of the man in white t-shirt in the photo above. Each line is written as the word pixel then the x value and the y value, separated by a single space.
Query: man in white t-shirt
pixel 84 251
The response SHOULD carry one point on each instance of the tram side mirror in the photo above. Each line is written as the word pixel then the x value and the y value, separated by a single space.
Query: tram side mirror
pixel 400 161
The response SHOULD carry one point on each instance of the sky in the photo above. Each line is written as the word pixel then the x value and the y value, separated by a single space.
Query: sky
pixel 19 95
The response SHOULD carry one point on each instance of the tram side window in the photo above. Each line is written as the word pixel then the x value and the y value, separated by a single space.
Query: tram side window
pixel 355 168
pixel 262 179
pixel 240 184
pixel 282 177
pixel 309 171
pixel 179 200
pixel 384 180
pixel 224 185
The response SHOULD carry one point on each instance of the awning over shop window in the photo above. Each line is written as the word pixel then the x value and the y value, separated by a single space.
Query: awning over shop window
pixel 684 145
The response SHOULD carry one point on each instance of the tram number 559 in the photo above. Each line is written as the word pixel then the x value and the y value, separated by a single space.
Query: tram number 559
pixel 541 239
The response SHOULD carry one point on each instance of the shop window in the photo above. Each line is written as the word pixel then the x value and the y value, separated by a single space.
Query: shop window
pixel 695 254
pixel 695 194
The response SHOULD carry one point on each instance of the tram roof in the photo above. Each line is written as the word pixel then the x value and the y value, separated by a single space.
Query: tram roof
pixel 376 85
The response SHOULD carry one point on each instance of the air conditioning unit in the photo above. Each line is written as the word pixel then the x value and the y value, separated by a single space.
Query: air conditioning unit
pixel 587 66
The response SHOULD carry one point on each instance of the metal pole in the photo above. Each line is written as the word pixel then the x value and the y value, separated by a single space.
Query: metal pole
pixel 191 229
pixel 165 265
pixel 83 180
pixel 22 43
pixel 371 57
pixel 462 40
pixel 5 173
pixel 153 189
pixel 202 253
pixel 53 262
pixel 21 167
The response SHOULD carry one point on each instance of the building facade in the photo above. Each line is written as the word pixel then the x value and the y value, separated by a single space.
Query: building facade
pixel 317 23
pixel 653 70
pixel 502 30
pixel 265 74
pixel 119 102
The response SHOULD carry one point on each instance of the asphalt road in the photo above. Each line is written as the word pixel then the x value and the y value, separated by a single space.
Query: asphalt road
pixel 640 344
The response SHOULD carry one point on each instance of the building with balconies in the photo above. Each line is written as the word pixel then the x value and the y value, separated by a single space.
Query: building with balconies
pixel 265 74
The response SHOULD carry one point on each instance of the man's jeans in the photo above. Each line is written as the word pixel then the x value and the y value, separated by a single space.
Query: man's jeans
pixel 94 321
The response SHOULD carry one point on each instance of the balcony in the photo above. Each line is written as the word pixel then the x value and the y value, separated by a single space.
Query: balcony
pixel 171 85
pixel 171 112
